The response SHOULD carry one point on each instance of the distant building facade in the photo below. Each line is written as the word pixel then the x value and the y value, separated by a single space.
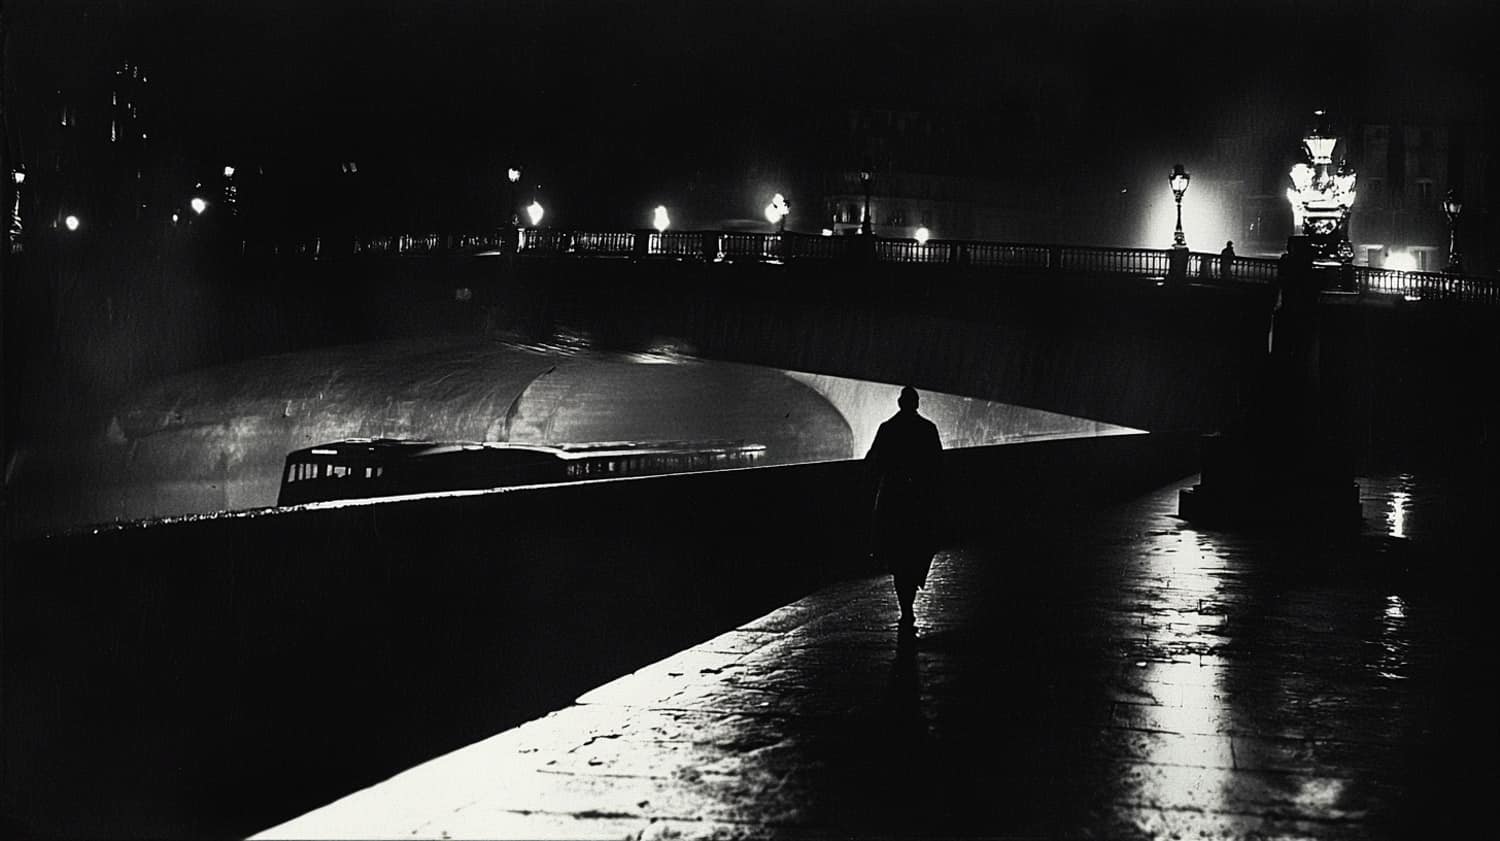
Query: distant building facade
pixel 928 170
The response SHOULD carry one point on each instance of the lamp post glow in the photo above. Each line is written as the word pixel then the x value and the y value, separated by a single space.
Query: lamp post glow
pixel 535 212
pixel 1322 194
pixel 865 176
pixel 1453 206
pixel 660 221
pixel 198 205
pixel 512 174
pixel 922 235
pixel 777 211
pixel 71 222
pixel 1179 182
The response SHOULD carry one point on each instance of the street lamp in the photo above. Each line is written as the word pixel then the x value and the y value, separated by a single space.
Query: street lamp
pixel 1179 181
pixel 535 212
pixel 660 220
pixel 513 174
pixel 864 178
pixel 198 205
pixel 1452 206
pixel 17 175
pixel 922 235
pixel 71 222
pixel 1321 195
pixel 777 211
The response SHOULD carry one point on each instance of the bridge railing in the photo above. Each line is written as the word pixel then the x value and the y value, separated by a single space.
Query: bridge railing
pixel 712 246
pixel 1127 261
pixel 1427 286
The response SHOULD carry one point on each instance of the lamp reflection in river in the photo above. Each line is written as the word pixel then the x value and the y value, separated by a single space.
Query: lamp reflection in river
pixel 1188 757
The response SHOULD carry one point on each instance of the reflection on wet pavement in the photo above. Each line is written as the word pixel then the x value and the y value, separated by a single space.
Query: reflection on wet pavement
pixel 1118 674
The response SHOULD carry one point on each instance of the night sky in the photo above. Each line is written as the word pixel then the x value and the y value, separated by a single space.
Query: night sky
pixel 610 102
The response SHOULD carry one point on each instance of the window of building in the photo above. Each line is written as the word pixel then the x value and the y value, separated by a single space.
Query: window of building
pixel 1424 192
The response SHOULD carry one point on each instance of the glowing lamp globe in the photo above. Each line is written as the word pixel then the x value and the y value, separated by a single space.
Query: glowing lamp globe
pixel 1179 180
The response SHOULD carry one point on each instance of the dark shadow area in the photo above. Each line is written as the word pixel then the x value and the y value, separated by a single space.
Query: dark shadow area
pixel 213 678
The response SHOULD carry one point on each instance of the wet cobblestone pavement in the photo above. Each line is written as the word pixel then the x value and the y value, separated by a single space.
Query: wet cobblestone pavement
pixel 1118 674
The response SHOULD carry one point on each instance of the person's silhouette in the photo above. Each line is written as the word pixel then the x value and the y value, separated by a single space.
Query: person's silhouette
pixel 906 459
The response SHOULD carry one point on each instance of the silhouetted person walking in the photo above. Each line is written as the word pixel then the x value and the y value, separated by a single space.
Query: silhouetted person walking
pixel 906 459
pixel 1226 260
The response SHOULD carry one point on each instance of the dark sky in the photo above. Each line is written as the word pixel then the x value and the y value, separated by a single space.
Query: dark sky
pixel 622 94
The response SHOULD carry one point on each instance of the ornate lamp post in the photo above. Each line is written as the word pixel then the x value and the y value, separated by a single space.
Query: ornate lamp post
pixel 513 174
pixel 1321 196
pixel 1452 206
pixel 777 211
pixel 1179 182
pixel 17 229
pixel 865 177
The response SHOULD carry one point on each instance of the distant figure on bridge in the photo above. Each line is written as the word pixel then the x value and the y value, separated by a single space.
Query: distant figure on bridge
pixel 1226 260
pixel 906 460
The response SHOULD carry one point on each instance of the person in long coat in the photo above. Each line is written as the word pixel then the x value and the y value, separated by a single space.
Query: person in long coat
pixel 906 460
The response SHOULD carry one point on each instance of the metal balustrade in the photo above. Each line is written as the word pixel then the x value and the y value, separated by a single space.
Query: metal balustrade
pixel 712 246
pixel 1130 261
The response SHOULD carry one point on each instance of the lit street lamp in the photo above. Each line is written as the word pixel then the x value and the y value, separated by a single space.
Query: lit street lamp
pixel 513 175
pixel 1321 195
pixel 777 211
pixel 17 175
pixel 198 205
pixel 1452 206
pixel 1179 181
pixel 660 220
pixel 535 212
pixel 71 222
pixel 864 177
pixel 231 192
pixel 922 235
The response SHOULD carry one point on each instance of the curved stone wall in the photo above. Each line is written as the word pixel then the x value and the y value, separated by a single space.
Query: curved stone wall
pixel 216 439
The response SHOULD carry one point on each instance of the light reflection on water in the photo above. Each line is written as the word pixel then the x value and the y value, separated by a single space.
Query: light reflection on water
pixel 1395 640
pixel 1391 499
pixel 1183 627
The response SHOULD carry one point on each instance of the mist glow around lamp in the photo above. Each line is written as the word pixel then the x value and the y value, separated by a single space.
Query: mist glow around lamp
pixel 535 212
pixel 923 235
pixel 659 220
pixel 1453 206
pixel 1178 181
pixel 71 222
pixel 198 205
